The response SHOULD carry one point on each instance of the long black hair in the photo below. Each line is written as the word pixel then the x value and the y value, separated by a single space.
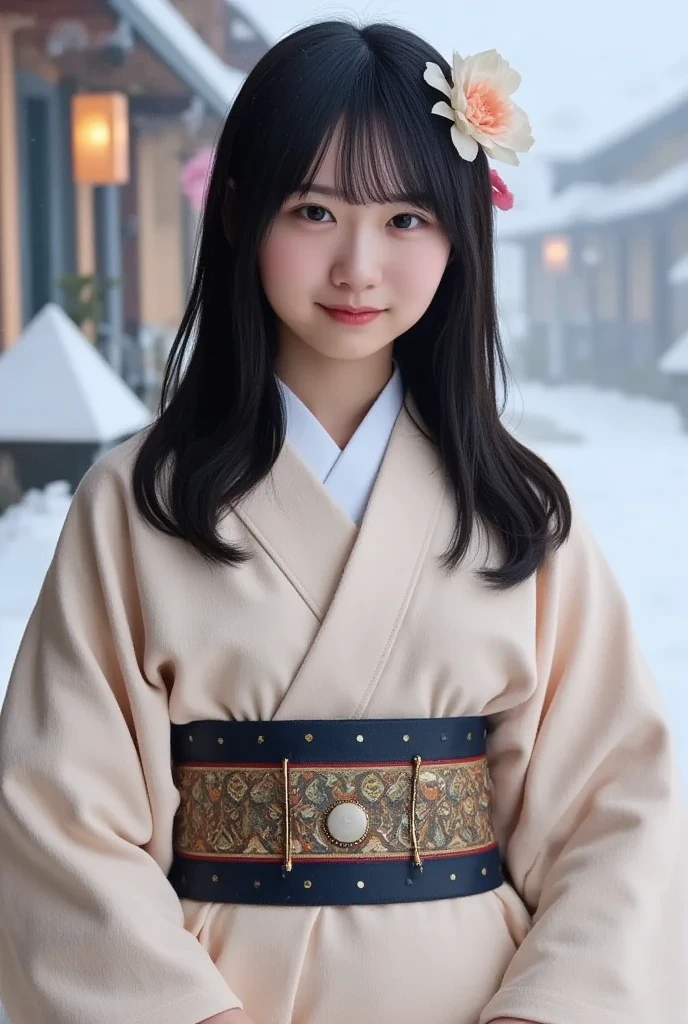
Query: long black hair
pixel 221 423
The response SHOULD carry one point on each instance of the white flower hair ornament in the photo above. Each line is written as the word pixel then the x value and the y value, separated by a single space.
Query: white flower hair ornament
pixel 482 112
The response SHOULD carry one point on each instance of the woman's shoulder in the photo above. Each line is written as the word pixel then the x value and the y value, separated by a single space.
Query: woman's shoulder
pixel 579 568
pixel 110 476
pixel 572 535
pixel 101 521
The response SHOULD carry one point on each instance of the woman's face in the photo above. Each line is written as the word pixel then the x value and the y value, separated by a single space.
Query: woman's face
pixel 321 253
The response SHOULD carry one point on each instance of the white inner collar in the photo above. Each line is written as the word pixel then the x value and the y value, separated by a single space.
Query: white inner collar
pixel 349 473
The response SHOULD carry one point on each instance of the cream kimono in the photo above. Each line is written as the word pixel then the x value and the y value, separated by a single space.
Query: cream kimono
pixel 133 630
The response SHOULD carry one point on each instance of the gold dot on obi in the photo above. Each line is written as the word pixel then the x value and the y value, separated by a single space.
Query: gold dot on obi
pixel 361 885
pixel 406 737
pixel 443 736
pixel 261 739
pixel 256 885
pixel 309 737
pixel 452 877
pixel 307 884
pixel 359 738
pixel 469 736
pixel 220 739
pixel 215 878
pixel 484 871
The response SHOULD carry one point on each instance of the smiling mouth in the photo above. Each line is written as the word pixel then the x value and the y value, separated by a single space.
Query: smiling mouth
pixel 352 316
pixel 353 310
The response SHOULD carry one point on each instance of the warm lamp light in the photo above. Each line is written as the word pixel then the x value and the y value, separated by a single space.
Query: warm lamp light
pixel 556 253
pixel 100 138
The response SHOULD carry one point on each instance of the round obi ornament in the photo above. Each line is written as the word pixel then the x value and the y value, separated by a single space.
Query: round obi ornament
pixel 347 823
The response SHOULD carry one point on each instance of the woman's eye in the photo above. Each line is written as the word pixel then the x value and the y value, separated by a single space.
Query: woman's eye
pixel 404 221
pixel 315 214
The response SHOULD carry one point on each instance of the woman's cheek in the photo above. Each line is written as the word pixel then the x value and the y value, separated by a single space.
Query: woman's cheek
pixel 421 272
pixel 290 262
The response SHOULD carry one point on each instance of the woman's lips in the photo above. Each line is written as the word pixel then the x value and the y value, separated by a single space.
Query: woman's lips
pixel 348 315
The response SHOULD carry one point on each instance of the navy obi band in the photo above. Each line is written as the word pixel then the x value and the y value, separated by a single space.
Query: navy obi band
pixel 333 812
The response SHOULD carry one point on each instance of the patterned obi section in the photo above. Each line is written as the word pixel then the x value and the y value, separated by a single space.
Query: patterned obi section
pixel 330 812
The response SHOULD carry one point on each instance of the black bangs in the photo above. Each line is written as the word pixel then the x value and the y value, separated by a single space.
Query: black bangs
pixel 376 160
pixel 374 163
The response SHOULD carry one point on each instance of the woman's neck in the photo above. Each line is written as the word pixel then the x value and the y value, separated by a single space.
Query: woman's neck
pixel 339 393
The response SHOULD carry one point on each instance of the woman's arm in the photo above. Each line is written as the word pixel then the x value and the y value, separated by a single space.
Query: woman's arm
pixel 589 811
pixel 92 930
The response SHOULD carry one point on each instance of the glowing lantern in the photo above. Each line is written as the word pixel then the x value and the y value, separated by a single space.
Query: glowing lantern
pixel 556 253
pixel 100 138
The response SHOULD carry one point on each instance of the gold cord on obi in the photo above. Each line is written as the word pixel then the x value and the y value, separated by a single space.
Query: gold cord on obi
pixel 414 794
pixel 287 816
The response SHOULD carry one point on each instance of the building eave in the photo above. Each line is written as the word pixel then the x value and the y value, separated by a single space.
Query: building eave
pixel 174 41
pixel 592 205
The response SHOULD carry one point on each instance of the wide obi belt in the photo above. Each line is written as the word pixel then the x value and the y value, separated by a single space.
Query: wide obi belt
pixel 330 812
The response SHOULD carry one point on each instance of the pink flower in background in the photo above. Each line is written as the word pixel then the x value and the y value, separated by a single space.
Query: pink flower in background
pixel 502 198
pixel 194 176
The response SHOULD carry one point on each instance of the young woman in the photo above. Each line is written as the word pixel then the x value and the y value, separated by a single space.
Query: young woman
pixel 330 709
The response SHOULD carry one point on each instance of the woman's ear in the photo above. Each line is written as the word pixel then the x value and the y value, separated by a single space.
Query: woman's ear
pixel 228 211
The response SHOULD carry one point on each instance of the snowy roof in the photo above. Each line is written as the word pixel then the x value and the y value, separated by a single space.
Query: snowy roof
pixel 591 204
pixel 640 106
pixel 173 39
pixel 675 359
pixel 55 386
pixel 679 272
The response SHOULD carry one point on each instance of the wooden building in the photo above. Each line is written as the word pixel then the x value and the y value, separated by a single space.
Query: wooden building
pixel 180 68
pixel 606 258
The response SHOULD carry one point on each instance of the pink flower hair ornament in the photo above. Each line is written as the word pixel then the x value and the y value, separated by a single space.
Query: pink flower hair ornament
pixel 479 105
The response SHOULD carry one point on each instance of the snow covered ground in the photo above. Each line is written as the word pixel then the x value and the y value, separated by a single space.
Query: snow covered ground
pixel 28 535
pixel 629 474
pixel 630 478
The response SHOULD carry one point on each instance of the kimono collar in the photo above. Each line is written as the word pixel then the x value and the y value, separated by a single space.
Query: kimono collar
pixel 348 474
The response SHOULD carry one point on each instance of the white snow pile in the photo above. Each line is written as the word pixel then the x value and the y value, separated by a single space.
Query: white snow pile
pixel 28 535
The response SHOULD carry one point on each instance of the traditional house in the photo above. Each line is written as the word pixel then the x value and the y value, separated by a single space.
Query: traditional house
pixel 606 258
pixel 178 68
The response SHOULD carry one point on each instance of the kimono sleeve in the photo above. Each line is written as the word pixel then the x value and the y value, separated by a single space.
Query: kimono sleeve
pixel 588 798
pixel 91 931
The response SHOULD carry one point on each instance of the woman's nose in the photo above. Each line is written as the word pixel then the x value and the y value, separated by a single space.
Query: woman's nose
pixel 358 264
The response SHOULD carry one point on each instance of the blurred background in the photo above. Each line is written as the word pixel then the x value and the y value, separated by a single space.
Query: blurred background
pixel 108 114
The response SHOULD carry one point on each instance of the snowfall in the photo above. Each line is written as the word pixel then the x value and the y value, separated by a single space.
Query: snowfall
pixel 625 461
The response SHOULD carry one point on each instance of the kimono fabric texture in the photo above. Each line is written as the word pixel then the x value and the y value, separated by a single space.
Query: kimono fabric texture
pixel 134 631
